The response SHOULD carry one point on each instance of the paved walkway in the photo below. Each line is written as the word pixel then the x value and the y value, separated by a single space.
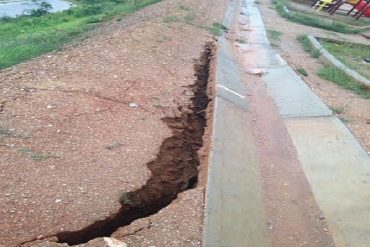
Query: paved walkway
pixel 335 165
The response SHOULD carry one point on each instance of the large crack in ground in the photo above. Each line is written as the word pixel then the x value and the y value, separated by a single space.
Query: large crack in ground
pixel 174 170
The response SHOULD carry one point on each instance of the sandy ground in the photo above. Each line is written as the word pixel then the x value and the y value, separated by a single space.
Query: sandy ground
pixel 78 126
pixel 356 110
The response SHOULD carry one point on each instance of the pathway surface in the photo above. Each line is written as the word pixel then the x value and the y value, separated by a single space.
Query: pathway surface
pixel 283 169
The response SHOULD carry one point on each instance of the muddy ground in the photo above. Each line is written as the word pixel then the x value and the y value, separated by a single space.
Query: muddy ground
pixel 78 127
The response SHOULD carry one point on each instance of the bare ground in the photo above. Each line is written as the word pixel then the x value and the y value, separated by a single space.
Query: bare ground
pixel 356 110
pixel 78 126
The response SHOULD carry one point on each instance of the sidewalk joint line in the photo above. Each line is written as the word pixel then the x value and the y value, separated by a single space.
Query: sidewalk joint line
pixel 231 91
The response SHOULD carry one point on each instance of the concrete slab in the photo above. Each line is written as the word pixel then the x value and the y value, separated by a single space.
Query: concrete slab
pixel 250 9
pixel 228 70
pixel 259 55
pixel 229 83
pixel 291 95
pixel 234 207
pixel 230 13
pixel 234 214
pixel 338 170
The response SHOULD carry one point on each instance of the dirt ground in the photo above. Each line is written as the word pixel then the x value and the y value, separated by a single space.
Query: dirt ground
pixel 78 126
pixel 356 110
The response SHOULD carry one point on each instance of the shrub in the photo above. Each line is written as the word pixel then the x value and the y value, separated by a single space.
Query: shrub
pixel 44 8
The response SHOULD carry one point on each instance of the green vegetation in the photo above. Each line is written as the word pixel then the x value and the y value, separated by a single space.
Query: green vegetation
pixel 172 18
pixel 350 54
pixel 185 7
pixel 307 46
pixel 216 29
pixel 274 36
pixel 241 40
pixel 337 76
pixel 281 7
pixel 35 156
pixel 12 133
pixel 125 198
pixel 337 110
pixel 44 9
pixel 29 36
pixel 302 71
pixel 343 119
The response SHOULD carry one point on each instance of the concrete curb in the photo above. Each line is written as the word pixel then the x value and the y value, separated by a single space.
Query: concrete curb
pixel 234 206
pixel 328 58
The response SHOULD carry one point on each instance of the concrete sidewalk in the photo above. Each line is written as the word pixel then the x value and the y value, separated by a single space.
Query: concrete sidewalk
pixel 336 166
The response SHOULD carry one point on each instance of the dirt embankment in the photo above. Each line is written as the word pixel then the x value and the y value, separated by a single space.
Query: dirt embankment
pixel 79 126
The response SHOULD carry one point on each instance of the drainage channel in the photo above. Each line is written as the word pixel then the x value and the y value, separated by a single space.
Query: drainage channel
pixel 174 170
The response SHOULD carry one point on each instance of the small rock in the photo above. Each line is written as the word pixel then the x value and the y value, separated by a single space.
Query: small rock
pixel 112 242
pixel 259 72
pixel 49 106
pixel 133 105
pixel 58 200
pixel 321 217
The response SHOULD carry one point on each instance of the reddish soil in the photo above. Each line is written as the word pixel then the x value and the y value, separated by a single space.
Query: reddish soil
pixel 78 126
pixel 294 217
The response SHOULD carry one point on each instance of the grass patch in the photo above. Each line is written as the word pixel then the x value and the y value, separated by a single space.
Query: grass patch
pixel 241 40
pixel 302 71
pixel 172 18
pixel 337 110
pixel 12 133
pixel 313 21
pixel 308 47
pixel 350 54
pixel 343 119
pixel 30 36
pixel 185 7
pixel 216 29
pixel 274 36
pixel 125 198
pixel 337 76
pixel 35 156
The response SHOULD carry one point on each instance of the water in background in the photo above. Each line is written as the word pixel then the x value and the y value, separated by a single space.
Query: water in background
pixel 13 8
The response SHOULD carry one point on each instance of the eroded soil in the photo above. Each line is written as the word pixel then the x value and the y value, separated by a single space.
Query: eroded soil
pixel 79 126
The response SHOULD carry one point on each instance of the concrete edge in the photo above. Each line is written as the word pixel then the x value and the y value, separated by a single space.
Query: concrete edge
pixel 229 17
pixel 327 57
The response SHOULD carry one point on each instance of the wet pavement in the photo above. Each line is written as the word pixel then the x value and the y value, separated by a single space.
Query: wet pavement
pixel 330 158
